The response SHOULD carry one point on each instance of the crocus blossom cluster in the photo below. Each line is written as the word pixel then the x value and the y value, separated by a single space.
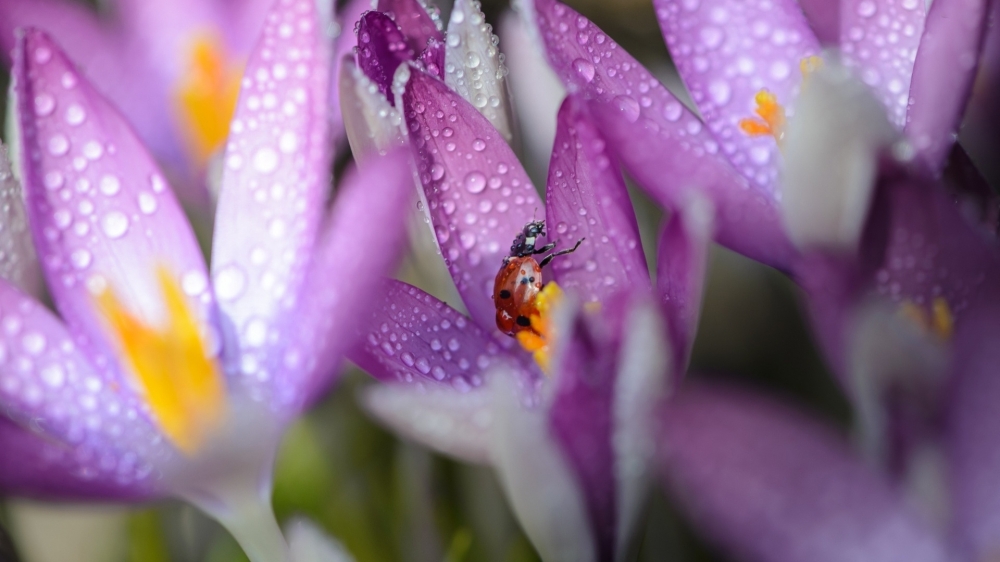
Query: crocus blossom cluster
pixel 161 376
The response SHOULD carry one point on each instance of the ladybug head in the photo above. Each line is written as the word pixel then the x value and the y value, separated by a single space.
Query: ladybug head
pixel 524 242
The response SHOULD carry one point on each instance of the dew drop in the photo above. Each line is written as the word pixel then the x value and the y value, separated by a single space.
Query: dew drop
pixel 147 203
pixel 75 115
pixel 265 160
pixel 475 182
pixel 629 108
pixel 109 185
pixel 81 258
pixel 479 145
pixel 585 69
pixel 58 145
pixel 44 104
pixel 229 282
pixel 114 224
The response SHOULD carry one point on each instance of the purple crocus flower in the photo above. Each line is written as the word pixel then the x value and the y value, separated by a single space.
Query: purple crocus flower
pixel 743 63
pixel 571 447
pixel 172 68
pixel 160 376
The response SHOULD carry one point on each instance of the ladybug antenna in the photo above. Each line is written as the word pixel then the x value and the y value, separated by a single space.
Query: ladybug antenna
pixel 545 261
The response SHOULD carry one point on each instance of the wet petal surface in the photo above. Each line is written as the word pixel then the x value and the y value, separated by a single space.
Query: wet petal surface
pixel 382 47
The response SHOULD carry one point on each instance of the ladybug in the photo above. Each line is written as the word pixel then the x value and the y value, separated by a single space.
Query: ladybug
pixel 519 280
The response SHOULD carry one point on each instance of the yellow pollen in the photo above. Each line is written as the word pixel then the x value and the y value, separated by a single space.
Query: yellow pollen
pixel 537 341
pixel 182 383
pixel 205 97
pixel 810 64
pixel 770 118
pixel 938 321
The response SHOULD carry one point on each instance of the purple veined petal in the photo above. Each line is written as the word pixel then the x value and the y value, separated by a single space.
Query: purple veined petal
pixel 343 50
pixel 833 150
pixel 101 215
pixel 18 262
pixel 643 381
pixel 775 486
pixel 47 383
pixel 883 54
pixel 973 428
pixel 412 337
pixel 586 199
pixel 454 423
pixel 37 466
pixel 420 22
pixel 77 27
pixel 824 18
pixel 943 74
pixel 473 66
pixel 277 169
pixel 659 142
pixel 682 263
pixel 358 246
pixel 372 125
pixel 729 50
pixel 381 49
pixel 433 58
pixel 479 197
pixel 537 477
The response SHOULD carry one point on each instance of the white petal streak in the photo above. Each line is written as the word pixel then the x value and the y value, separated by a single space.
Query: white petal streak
pixel 18 262
pixel 372 124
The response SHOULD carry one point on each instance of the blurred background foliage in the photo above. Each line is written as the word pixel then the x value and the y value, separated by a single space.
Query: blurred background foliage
pixel 390 500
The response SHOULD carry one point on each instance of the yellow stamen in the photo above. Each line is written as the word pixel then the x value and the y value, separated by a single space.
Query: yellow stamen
pixel 538 340
pixel 809 65
pixel 205 98
pixel 770 118
pixel 182 383
pixel 938 321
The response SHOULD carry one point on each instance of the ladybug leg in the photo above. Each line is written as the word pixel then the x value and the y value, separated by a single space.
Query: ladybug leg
pixel 543 249
pixel 545 261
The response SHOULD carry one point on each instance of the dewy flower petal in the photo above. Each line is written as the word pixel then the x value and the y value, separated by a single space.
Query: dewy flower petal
pixel 18 262
pixel 89 231
pixel 660 143
pixel 773 485
pixel 731 48
pixel 274 184
pixel 478 194
pixel 372 124
pixel 379 50
pixel 586 199
pixel 883 55
pixel 419 22
pixel 943 74
pixel 473 67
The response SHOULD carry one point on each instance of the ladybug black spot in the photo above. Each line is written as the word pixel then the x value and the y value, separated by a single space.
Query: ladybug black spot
pixel 505 294
pixel 523 321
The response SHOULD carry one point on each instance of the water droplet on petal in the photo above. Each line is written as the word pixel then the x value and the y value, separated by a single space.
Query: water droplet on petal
pixel 109 185
pixel 475 182
pixel 585 69
pixel 265 160
pixel 58 145
pixel 75 115
pixel 114 224
pixel 229 282
pixel 629 108
pixel 44 104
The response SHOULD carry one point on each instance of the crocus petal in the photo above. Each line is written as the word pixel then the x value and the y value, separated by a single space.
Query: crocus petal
pixel 35 465
pixel 473 67
pixel 479 197
pixel 18 263
pixel 943 73
pixel 308 543
pixel 454 423
pixel 379 55
pixel 372 124
pixel 643 381
pixel 433 58
pixel 587 200
pixel 413 337
pixel 682 261
pixel 47 383
pixel 832 155
pixel 102 217
pixel 661 144
pixel 883 54
pixel 973 432
pixel 418 21
pixel 275 181
pixel 77 27
pixel 350 250
pixel 775 486
pixel 343 51
pixel 537 478
pixel 727 51
pixel 824 18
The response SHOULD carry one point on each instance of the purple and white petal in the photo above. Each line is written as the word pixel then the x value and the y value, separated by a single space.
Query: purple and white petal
pixel 277 169
pixel 473 67
pixel 586 199
pixel 729 50
pixel 832 153
pixel 342 283
pixel 343 50
pixel 660 143
pixel 372 125
pixel 824 19
pixel 943 75
pixel 412 337
pixel 49 385
pixel 433 58
pixel 879 39
pixel 479 197
pixel 537 477
pixel 18 262
pixel 772 485
pixel 381 49
pixel 102 217
pixel 420 22
pixel 36 465
pixel 457 424
pixel 682 262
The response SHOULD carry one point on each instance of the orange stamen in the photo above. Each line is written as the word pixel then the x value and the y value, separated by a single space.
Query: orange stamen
pixel 770 118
